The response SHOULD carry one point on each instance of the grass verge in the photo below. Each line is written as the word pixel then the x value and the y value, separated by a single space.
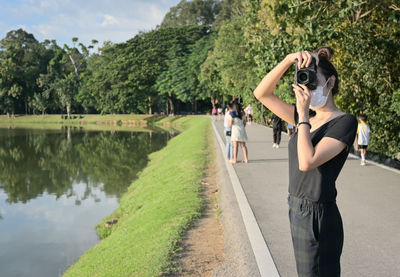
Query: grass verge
pixel 155 211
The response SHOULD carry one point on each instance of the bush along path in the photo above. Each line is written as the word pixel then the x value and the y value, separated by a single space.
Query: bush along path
pixel 142 235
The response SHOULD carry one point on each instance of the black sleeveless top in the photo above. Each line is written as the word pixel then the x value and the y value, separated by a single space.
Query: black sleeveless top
pixel 319 184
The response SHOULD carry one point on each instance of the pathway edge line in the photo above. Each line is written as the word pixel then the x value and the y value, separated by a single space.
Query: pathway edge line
pixel 263 256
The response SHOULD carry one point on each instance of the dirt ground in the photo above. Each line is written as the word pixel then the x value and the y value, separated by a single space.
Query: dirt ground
pixel 203 243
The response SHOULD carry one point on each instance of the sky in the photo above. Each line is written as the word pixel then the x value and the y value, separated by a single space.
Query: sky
pixel 114 20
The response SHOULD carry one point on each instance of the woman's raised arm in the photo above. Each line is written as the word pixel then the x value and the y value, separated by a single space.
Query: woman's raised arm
pixel 265 90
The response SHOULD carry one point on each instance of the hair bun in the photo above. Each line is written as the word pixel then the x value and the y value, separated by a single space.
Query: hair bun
pixel 326 52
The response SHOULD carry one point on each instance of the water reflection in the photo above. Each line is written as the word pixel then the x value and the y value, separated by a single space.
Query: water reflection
pixel 33 162
pixel 55 186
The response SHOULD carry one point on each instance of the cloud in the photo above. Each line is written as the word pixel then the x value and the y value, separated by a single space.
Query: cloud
pixel 109 20
pixel 117 20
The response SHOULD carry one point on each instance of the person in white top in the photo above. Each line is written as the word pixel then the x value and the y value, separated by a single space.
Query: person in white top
pixel 249 113
pixel 228 133
pixel 363 137
pixel 219 110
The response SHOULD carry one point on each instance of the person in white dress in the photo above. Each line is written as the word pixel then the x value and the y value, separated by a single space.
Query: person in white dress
pixel 239 135
pixel 363 137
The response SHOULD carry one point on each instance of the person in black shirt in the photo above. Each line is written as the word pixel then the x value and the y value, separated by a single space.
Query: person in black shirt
pixel 317 153
pixel 277 130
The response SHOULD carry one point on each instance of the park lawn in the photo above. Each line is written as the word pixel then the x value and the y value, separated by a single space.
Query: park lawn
pixel 155 210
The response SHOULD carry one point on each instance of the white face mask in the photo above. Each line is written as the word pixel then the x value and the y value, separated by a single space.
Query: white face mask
pixel 318 100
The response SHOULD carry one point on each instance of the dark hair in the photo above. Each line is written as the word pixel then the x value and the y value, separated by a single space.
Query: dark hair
pixel 363 117
pixel 237 107
pixel 324 55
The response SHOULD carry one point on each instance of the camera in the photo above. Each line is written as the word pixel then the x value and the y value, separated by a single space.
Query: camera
pixel 307 75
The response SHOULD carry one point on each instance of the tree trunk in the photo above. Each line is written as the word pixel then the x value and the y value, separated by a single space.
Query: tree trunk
pixel 213 101
pixel 43 112
pixel 150 111
pixel 69 111
pixel 8 115
pixel 171 104
pixel 75 68
pixel 69 134
pixel 26 107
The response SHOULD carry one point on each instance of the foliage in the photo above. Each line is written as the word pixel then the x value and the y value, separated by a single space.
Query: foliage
pixel 180 79
pixel 365 37
pixel 195 12
pixel 22 59
pixel 215 50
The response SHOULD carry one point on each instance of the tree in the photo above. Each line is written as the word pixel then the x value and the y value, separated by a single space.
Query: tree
pixel 176 79
pixel 196 12
pixel 365 37
pixel 227 10
pixel 65 89
pixel 21 62
pixel 46 96
pixel 193 88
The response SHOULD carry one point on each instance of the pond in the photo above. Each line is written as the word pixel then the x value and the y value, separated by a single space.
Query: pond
pixel 56 185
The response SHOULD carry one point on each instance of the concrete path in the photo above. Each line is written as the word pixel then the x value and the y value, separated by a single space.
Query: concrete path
pixel 368 198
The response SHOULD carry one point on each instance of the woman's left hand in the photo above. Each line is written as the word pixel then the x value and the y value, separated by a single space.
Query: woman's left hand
pixel 303 99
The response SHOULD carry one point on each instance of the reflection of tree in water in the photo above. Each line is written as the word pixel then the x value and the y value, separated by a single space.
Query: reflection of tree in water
pixel 33 162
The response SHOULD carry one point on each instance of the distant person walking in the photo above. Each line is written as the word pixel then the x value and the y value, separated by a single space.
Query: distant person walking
pixel 214 113
pixel 277 130
pixel 249 113
pixel 363 137
pixel 219 110
pixel 317 153
pixel 239 135
pixel 228 133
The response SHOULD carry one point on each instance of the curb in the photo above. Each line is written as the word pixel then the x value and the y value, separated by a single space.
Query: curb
pixel 265 262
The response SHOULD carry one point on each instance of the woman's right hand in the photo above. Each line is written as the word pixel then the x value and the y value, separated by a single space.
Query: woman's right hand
pixel 304 58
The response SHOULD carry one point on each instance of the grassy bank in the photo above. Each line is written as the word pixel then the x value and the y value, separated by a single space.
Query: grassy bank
pixel 155 211
pixel 57 118
pixel 95 122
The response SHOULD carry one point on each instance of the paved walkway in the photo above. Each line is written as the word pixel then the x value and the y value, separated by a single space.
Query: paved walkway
pixel 368 198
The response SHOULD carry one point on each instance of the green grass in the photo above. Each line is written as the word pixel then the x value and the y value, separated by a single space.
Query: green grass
pixel 56 118
pixel 95 122
pixel 157 208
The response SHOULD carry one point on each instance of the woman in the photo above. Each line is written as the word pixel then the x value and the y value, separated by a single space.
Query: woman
pixel 214 113
pixel 277 130
pixel 317 153
pixel 228 133
pixel 239 135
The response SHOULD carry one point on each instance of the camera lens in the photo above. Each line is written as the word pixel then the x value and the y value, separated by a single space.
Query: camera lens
pixel 303 77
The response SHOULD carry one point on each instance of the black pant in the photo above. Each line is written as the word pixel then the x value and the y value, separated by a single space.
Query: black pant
pixel 277 135
pixel 317 235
